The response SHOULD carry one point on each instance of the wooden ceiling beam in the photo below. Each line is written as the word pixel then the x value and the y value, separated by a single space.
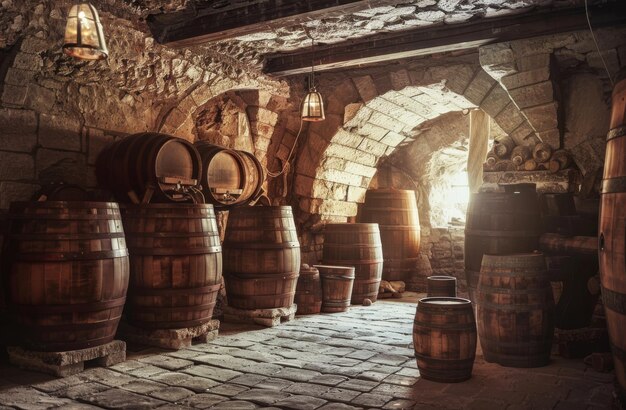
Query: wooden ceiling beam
pixel 432 40
pixel 193 27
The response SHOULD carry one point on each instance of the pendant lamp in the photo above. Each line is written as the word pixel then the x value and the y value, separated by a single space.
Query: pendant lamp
pixel 84 38
pixel 312 106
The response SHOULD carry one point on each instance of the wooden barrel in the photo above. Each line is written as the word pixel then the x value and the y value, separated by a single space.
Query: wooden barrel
pixel 230 177
pixel 261 257
pixel 423 271
pixel 356 245
pixel 176 264
pixel 308 291
pixel 500 223
pixel 395 212
pixel 515 310
pixel 149 167
pixel 444 338
pixel 612 233
pixel 337 283
pixel 66 270
pixel 444 286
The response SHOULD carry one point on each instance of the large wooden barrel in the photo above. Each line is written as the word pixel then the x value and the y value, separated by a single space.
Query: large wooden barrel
pixel 261 257
pixel 151 166
pixel 515 310
pixel 230 177
pixel 500 223
pixel 395 212
pixel 176 264
pixel 444 286
pixel 444 339
pixel 308 291
pixel 356 245
pixel 612 234
pixel 337 283
pixel 66 270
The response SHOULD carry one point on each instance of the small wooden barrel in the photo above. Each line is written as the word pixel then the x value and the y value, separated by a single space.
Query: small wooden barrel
pixel 356 245
pixel 444 338
pixel 66 270
pixel 261 257
pixel 500 223
pixel 444 286
pixel 230 177
pixel 149 167
pixel 337 282
pixel 395 212
pixel 176 264
pixel 515 310
pixel 612 233
pixel 308 291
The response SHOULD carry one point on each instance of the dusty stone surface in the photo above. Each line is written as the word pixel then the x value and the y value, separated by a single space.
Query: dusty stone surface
pixel 264 317
pixel 389 379
pixel 171 338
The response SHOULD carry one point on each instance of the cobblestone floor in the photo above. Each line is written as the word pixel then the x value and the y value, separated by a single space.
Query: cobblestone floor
pixel 359 359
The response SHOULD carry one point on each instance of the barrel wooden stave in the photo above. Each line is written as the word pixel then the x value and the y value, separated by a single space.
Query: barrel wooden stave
pixel 612 233
pixel 176 264
pixel 67 271
pixel 261 248
pixel 337 282
pixel 444 339
pixel 441 286
pixel 357 245
pixel 499 223
pixel 515 310
pixel 308 291
pixel 396 213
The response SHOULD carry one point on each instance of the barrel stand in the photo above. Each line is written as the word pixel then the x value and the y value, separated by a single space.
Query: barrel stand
pixel 63 364
pixel 264 317
pixel 171 338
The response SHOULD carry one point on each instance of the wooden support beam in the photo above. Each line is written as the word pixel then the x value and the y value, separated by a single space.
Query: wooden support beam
pixel 432 40
pixel 193 27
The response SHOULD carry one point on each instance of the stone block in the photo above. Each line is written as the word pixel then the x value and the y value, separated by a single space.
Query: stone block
pixel 39 98
pixel 525 78
pixel 533 62
pixel 61 166
pixel 262 115
pixel 263 317
pixel 495 101
pixel 19 77
pixel 552 137
pixel 479 87
pixel 17 142
pixel 543 117
pixel 16 166
pixel 385 121
pixel 342 177
pixel 521 134
pixel 16 191
pixel 59 132
pixel 456 77
pixel 541 44
pixel 497 59
pixel 64 364
pixel 533 95
pixel 14 95
pixel 356 194
pixel 400 79
pixel 373 132
pixel 171 338
pixel 509 118
pixel 28 61
pixel 366 87
pixel 350 111
pixel 14 121
pixel 373 147
pixel 393 139
pixel 359 169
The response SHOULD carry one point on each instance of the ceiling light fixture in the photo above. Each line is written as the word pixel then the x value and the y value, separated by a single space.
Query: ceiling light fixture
pixel 84 37
pixel 312 106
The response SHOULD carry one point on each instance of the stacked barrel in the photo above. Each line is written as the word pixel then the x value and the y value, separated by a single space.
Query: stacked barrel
pixel 612 241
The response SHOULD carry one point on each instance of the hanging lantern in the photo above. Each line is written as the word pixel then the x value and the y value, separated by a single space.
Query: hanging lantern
pixel 312 106
pixel 84 37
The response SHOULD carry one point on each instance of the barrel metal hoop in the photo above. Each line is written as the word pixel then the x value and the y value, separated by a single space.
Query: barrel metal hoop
pixel 71 256
pixel 172 234
pixel 614 185
pixel 461 328
pixel 261 297
pixel 173 292
pixel 616 133
pixel 440 360
pixel 350 262
pixel 174 251
pixel 615 301
pixel 46 236
pixel 339 277
pixel 244 246
pixel 43 310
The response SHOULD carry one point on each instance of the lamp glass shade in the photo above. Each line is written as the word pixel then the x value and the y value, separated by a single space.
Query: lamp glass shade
pixel 312 107
pixel 84 37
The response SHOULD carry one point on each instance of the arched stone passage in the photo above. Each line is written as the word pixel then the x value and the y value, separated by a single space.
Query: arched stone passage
pixel 370 116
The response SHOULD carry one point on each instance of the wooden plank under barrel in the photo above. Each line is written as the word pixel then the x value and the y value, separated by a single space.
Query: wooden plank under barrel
pixel 612 235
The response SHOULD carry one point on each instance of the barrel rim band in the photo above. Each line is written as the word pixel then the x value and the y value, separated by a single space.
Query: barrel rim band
pixel 616 133
pixel 70 256
pixel 358 262
pixel 438 359
pixel 234 246
pixel 135 291
pixel 207 234
pixel 614 185
pixel 69 308
pixel 616 301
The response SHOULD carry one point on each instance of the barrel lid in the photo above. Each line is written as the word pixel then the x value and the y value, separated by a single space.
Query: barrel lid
pixel 441 277
pixel 333 267
pixel 308 270
pixel 444 301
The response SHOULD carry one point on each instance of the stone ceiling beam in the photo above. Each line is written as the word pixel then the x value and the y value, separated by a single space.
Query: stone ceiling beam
pixel 197 26
pixel 453 37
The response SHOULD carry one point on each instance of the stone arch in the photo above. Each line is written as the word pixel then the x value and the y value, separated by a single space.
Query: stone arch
pixel 370 116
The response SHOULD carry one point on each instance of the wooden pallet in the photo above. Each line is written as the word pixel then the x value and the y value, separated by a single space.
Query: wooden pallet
pixel 170 338
pixel 263 317
pixel 63 364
